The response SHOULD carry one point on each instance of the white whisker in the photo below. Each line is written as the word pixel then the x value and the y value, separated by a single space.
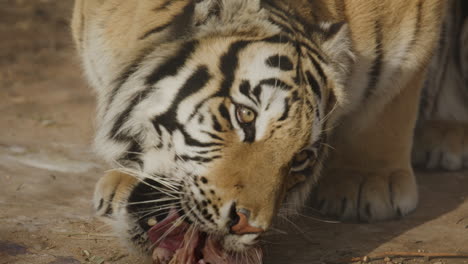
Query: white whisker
pixel 165 199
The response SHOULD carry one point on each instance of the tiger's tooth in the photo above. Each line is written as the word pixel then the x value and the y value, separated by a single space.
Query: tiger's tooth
pixel 152 221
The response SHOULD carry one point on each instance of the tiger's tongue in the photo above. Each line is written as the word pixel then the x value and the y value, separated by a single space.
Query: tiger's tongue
pixel 177 242
pixel 169 233
pixel 170 236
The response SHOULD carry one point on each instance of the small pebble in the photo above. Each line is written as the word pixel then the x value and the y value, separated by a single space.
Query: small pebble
pixel 38 247
pixel 387 259
pixel 365 259
pixel 47 123
pixel 86 253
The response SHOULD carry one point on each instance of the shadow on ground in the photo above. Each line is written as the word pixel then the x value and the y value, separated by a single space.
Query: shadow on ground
pixel 440 224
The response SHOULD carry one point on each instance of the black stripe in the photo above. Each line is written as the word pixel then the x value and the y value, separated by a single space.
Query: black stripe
pixel 132 154
pixel 290 18
pixel 158 130
pixel 283 27
pixel 280 61
pixel 245 89
pixel 224 112
pixel 376 68
pixel 168 68
pixel 278 39
pixel 286 110
pixel 228 65
pixel 216 125
pixel 332 30
pixel 192 85
pixel 278 11
pixel 109 209
pixel 229 61
pixel 201 118
pixel 213 136
pixel 101 203
pixel 199 158
pixel 257 91
pixel 155 30
pixel 313 84
pixel 115 132
pixel 313 50
pixel 172 66
pixel 318 68
pixel 317 113
pixel 249 132
pixel 209 151
pixel 288 25
pixel 295 96
pixel 126 73
pixel 418 19
pixel 183 16
pixel 359 200
pixel 193 142
pixel 417 27
pixel 276 83
pixel 283 24
pixel 162 6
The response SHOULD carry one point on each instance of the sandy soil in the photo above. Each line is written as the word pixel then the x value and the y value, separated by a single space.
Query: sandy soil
pixel 47 170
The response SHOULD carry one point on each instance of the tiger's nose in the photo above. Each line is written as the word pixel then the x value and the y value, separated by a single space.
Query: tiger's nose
pixel 240 222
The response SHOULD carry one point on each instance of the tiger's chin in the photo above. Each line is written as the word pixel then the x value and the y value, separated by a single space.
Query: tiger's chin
pixel 177 241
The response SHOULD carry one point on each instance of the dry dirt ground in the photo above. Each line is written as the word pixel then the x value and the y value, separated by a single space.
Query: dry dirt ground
pixel 47 171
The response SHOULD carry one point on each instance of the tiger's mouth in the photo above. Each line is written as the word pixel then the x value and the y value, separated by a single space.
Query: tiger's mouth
pixel 176 241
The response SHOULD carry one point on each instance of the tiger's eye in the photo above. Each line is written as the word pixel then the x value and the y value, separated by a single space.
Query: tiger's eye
pixel 301 157
pixel 245 115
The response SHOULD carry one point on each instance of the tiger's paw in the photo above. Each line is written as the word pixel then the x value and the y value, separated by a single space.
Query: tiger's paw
pixel 110 191
pixel 441 145
pixel 366 196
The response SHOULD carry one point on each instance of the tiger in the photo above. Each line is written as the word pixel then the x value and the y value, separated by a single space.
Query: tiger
pixel 442 131
pixel 221 114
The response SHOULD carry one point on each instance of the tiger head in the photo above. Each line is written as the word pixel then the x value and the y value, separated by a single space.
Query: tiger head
pixel 223 119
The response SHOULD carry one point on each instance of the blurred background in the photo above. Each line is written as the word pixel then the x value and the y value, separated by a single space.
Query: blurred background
pixel 48 172
pixel 47 169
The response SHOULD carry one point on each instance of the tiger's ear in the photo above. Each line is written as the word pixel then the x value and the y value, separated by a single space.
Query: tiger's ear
pixel 335 41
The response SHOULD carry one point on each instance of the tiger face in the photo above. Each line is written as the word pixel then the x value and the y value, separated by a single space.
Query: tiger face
pixel 224 138
pixel 223 126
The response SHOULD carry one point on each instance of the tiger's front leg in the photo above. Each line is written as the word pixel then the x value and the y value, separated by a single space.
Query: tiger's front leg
pixel 111 201
pixel 368 176
pixel 110 193
pixel 441 144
